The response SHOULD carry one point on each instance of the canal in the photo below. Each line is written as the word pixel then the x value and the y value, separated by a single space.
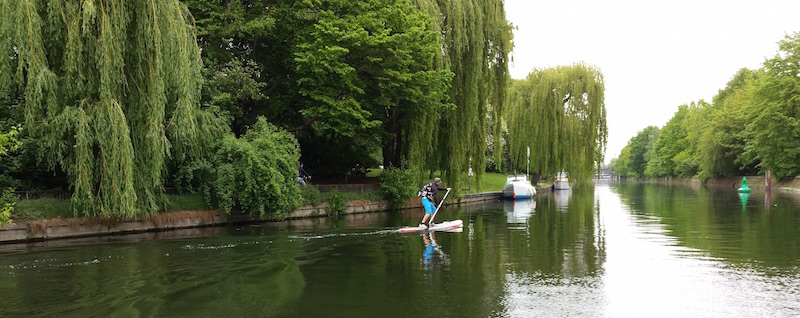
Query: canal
pixel 612 250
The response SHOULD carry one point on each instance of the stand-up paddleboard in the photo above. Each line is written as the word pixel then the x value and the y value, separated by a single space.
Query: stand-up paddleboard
pixel 445 226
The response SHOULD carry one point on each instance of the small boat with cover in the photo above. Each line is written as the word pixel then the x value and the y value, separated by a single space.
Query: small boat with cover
pixel 518 187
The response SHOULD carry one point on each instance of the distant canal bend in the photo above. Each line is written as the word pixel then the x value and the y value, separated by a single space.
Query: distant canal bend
pixel 612 250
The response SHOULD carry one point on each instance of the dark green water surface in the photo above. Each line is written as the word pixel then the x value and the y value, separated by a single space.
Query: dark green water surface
pixel 612 250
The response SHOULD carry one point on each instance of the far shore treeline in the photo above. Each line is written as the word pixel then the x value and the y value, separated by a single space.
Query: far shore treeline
pixel 117 100
pixel 751 126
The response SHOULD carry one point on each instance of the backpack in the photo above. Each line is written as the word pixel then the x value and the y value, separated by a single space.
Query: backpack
pixel 426 191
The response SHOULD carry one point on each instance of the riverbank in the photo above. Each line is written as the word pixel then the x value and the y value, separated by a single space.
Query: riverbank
pixel 754 182
pixel 61 228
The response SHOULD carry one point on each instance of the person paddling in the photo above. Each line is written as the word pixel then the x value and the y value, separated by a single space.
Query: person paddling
pixel 430 199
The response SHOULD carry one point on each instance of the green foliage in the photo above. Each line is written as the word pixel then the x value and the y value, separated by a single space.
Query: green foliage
pixel 490 182
pixel 111 91
pixel 398 186
pixel 234 89
pixel 641 150
pixel 258 172
pixel 380 74
pixel 43 208
pixel 332 156
pixel 246 49
pixel 47 208
pixel 560 114
pixel 337 202
pixel 620 164
pixel 186 202
pixel 7 202
pixel 21 169
pixel 673 151
pixel 476 41
pixel 371 195
pixel 753 125
pixel 366 71
pixel 722 128
pixel 9 141
pixel 230 29
pixel 774 124
pixel 374 173
pixel 311 195
pixel 493 142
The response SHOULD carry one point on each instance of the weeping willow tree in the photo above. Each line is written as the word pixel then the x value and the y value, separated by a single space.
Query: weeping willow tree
pixel 111 89
pixel 476 39
pixel 560 114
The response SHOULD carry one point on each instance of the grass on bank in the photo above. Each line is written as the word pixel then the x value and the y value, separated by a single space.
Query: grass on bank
pixel 491 181
pixel 47 208
pixel 311 195
pixel 494 182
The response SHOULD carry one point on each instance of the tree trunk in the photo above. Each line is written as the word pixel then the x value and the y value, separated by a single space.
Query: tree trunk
pixel 535 177
pixel 391 146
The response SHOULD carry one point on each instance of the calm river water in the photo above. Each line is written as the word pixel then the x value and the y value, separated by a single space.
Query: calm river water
pixel 612 250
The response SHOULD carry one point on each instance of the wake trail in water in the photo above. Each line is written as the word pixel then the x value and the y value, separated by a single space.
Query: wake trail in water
pixel 321 236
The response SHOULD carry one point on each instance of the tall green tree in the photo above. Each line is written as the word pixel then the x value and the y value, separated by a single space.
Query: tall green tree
pixel 671 141
pixel 723 136
pixel 476 40
pixel 247 53
pixel 775 116
pixel 336 73
pixel 620 164
pixel 366 69
pixel 673 153
pixel 687 161
pixel 560 114
pixel 375 72
pixel 753 125
pixel 111 90
pixel 641 150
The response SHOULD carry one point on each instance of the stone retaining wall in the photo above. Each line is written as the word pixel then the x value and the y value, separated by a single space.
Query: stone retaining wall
pixel 33 231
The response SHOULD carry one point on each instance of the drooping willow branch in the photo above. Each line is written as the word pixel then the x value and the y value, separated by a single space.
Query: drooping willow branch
pixel 560 114
pixel 111 89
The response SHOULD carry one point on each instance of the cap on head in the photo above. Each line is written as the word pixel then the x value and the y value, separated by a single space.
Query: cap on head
pixel 437 180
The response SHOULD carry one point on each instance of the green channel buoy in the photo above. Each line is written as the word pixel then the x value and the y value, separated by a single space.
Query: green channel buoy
pixel 744 188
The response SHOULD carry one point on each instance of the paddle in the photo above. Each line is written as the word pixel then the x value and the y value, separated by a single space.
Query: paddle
pixel 438 207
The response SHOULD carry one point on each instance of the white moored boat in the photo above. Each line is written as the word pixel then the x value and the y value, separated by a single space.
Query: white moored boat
pixel 518 187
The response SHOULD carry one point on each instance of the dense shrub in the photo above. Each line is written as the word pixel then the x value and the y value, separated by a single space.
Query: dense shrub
pixel 311 195
pixel 7 202
pixel 397 186
pixel 337 203
pixel 258 172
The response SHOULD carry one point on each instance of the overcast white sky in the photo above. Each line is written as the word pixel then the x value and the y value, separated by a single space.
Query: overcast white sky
pixel 654 55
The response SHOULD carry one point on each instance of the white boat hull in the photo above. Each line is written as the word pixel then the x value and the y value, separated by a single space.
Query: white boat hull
pixel 518 188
